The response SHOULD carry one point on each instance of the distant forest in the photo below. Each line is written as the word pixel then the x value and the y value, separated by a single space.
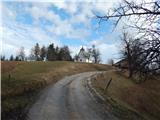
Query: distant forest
pixel 37 53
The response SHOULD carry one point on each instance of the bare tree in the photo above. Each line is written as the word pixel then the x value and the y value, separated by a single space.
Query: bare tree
pixel 21 54
pixel 96 54
pixel 43 53
pixel 88 53
pixel 127 42
pixel 37 51
pixel 130 52
pixel 145 18
pixel 32 55
pixel 148 12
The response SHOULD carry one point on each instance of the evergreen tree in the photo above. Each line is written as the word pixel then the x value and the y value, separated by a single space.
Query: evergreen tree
pixel 51 55
pixel 11 58
pixel 64 54
pixel 61 54
pixel 2 58
pixel 16 58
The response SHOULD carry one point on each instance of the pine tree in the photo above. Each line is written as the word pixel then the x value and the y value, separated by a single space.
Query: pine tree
pixel 2 58
pixel 11 58
pixel 64 54
pixel 16 58
pixel 51 55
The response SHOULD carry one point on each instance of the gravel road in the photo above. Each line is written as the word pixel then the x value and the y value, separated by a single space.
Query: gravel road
pixel 69 99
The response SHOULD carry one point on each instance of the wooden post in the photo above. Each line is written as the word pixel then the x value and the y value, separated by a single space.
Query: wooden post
pixel 107 85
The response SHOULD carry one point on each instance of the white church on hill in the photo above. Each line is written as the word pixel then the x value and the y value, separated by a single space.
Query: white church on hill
pixel 82 57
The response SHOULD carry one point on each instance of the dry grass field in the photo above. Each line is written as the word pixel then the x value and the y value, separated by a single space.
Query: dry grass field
pixel 123 93
pixel 21 81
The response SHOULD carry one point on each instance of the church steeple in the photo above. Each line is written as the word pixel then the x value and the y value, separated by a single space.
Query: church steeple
pixel 82 56
pixel 82 49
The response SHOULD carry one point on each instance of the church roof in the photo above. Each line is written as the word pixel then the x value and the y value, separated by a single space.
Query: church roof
pixel 82 52
pixel 82 49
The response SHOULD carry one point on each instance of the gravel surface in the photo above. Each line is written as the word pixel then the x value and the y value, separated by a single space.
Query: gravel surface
pixel 69 99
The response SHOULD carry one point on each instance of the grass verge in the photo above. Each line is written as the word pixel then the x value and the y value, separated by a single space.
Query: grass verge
pixel 128 100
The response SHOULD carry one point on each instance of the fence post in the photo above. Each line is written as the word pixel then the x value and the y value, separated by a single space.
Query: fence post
pixel 107 85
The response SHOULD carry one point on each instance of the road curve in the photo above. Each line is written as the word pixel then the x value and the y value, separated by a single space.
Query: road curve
pixel 69 99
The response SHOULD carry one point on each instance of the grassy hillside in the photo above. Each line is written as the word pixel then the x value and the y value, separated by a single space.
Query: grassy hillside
pixel 126 96
pixel 21 81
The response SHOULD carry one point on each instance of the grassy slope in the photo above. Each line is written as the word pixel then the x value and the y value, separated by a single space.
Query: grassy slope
pixel 124 94
pixel 27 78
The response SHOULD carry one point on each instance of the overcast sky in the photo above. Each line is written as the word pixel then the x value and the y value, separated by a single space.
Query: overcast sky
pixel 59 22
